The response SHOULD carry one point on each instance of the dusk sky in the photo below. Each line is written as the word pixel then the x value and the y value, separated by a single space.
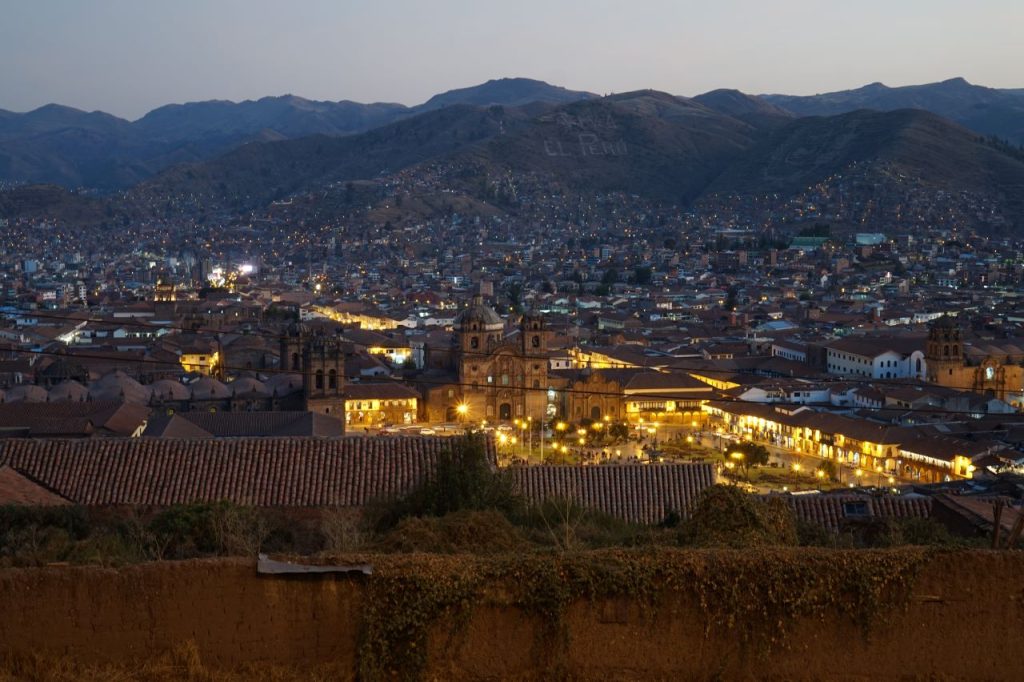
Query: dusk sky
pixel 129 56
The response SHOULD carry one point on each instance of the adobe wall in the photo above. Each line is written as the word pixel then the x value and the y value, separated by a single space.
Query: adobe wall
pixel 964 620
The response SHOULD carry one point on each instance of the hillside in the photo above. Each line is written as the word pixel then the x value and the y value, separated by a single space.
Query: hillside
pixel 69 147
pixel 257 173
pixel 753 110
pixel 646 142
pixel 918 143
pixel 506 91
pixel 984 110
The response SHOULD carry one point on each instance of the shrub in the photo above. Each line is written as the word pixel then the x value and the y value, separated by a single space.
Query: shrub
pixel 463 479
pixel 725 516
pixel 466 531
pixel 341 531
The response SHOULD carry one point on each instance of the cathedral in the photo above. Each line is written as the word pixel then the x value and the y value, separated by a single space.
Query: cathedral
pixel 320 359
pixel 498 377
pixel 987 367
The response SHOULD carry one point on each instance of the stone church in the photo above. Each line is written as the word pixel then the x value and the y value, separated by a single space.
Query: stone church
pixel 496 376
pixel 320 360
pixel 987 367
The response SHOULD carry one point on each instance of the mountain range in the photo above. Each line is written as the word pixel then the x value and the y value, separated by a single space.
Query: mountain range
pixel 219 156
pixel 73 148
pixel 999 113
pixel 66 146
pixel 649 143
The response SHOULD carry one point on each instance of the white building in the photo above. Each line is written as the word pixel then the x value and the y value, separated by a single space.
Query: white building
pixel 877 358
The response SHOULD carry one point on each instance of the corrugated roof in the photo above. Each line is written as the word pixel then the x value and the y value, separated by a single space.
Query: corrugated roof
pixel 830 510
pixel 286 472
pixel 635 493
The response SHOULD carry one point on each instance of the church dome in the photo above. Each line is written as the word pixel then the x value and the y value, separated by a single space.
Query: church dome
pixel 27 393
pixel 170 390
pixel 69 392
pixel 209 388
pixel 480 314
pixel 119 386
pixel 247 387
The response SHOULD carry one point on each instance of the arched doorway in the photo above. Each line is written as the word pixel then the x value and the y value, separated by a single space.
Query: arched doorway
pixel 505 412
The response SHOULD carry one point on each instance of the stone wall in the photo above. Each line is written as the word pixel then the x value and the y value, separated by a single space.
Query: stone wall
pixel 964 619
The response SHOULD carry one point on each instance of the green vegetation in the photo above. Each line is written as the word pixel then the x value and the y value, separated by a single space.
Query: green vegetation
pixel 466 507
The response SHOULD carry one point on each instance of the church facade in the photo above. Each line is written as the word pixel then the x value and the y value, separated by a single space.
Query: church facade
pixel 498 377
pixel 988 368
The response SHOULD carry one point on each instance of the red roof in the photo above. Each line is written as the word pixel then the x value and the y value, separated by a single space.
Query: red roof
pixel 265 472
pixel 16 488
pixel 636 493
pixel 830 510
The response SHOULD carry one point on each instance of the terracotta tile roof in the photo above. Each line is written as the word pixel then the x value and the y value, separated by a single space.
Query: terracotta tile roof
pixel 16 488
pixel 379 390
pixel 108 417
pixel 199 424
pixel 266 472
pixel 173 426
pixel 829 511
pixel 636 493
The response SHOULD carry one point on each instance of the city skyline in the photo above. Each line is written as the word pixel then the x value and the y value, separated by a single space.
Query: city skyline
pixel 126 59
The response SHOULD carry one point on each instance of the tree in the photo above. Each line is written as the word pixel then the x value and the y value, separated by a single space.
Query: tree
pixel 730 299
pixel 515 296
pixel 642 275
pixel 754 454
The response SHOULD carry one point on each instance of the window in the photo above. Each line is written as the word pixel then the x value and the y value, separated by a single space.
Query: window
pixel 474 342
pixel 295 360
pixel 332 379
pixel 504 380
pixel 535 341
pixel 320 379
pixel 855 508
pixel 536 383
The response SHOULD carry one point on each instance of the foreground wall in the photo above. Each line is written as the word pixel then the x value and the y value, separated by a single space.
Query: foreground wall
pixel 959 616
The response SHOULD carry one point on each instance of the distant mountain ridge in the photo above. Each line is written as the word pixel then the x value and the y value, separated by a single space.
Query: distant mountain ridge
pixel 653 144
pixel 66 146
pixel 984 110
